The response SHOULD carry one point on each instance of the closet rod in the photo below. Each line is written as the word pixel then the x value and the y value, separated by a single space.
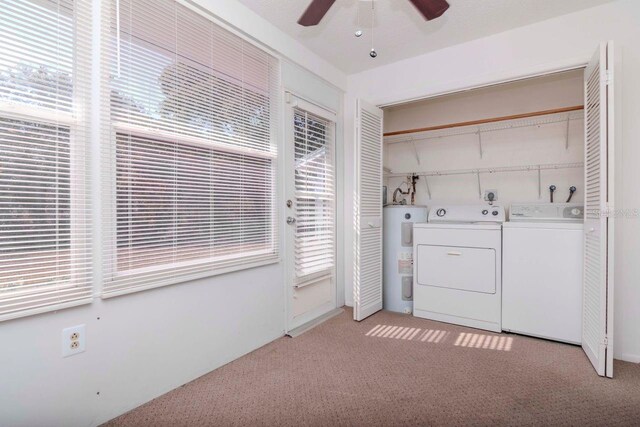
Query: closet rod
pixel 526 168
pixel 490 120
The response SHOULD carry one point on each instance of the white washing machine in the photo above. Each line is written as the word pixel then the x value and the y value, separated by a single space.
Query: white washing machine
pixel 542 271
pixel 458 266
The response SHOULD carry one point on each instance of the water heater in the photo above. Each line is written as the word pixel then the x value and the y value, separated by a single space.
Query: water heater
pixel 398 255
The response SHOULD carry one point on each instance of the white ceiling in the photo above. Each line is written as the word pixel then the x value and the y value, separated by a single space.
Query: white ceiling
pixel 400 31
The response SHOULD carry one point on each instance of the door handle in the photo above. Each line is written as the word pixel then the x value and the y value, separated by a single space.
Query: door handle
pixel 291 220
pixel 453 253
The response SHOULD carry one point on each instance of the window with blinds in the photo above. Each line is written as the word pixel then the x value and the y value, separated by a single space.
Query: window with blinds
pixel 315 196
pixel 190 148
pixel 45 259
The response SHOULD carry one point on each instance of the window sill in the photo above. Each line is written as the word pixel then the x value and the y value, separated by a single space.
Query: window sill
pixel 46 309
pixel 190 277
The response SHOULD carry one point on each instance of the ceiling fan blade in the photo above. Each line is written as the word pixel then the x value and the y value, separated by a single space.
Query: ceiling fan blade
pixel 430 9
pixel 315 12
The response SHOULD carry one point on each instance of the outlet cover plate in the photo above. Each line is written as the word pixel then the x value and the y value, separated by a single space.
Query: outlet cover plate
pixel 74 340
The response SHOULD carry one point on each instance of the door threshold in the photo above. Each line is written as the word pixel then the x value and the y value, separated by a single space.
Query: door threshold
pixel 313 323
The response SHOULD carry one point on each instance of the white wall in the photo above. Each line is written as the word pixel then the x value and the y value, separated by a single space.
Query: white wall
pixel 543 144
pixel 142 345
pixel 563 42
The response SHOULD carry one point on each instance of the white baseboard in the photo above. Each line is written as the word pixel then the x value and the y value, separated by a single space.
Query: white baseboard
pixel 633 358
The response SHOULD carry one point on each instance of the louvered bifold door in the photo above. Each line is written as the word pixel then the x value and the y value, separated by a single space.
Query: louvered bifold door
pixel 367 294
pixel 597 314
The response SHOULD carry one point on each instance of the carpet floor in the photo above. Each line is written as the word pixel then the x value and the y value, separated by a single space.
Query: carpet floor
pixel 394 369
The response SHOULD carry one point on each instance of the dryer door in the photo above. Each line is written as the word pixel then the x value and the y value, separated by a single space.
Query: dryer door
pixel 455 267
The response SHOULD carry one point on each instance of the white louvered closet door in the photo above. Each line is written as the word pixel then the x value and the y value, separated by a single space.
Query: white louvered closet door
pixel 367 292
pixel 597 313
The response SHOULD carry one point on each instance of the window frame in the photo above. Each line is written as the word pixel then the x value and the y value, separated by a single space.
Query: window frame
pixel 111 272
pixel 79 198
pixel 201 267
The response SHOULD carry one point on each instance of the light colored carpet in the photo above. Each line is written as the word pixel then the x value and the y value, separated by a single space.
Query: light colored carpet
pixel 420 373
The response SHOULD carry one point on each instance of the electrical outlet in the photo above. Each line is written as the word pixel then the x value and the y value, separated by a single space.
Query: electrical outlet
pixel 73 340
pixel 488 192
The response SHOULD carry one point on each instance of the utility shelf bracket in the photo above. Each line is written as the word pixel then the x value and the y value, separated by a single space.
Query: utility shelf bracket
pixel 566 146
pixel 415 151
pixel 426 181
pixel 539 183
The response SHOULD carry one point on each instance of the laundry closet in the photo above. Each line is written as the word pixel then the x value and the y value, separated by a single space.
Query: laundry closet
pixel 451 153
pixel 484 206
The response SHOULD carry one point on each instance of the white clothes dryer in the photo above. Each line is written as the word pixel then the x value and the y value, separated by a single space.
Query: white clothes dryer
pixel 458 266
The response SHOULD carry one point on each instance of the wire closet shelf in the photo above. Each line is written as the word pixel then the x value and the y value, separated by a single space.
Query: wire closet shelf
pixel 485 126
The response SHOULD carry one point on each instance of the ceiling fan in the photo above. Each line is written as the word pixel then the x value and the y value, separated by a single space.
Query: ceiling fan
pixel 430 9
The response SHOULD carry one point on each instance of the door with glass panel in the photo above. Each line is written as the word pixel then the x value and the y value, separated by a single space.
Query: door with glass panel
pixel 310 211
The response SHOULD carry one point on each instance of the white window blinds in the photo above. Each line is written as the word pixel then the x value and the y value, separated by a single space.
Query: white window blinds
pixel 315 195
pixel 44 208
pixel 190 150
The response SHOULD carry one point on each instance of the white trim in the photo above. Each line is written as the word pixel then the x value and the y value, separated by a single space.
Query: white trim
pixel 186 278
pixel 311 107
pixel 28 112
pixel 323 276
pixel 628 357
pixel 46 309
pixel 166 135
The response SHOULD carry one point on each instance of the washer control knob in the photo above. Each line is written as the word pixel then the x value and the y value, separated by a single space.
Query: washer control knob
pixel 484 212
pixel 441 212
pixel 494 213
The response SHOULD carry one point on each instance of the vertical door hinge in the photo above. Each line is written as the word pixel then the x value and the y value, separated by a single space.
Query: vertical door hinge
pixel 605 342
pixel 608 78
pixel 608 210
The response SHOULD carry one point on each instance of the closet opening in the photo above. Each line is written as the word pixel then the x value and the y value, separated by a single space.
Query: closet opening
pixel 484 205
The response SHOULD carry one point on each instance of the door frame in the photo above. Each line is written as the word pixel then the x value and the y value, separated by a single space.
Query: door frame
pixel 293 100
